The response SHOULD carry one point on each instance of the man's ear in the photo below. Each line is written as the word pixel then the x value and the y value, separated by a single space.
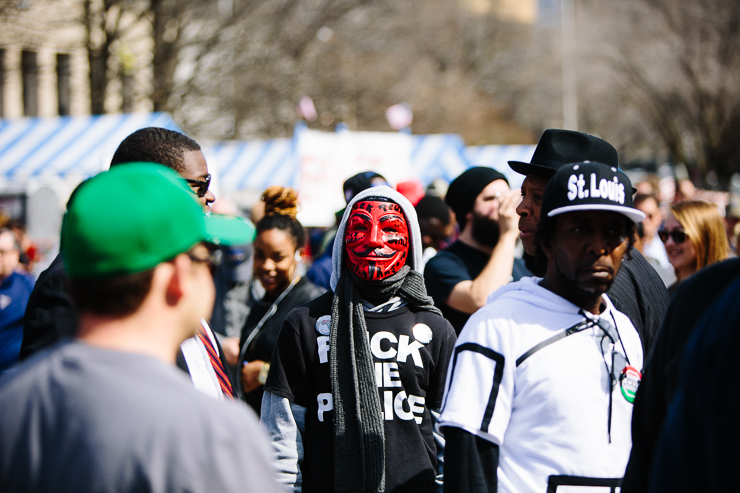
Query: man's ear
pixel 174 275
pixel 547 248
pixel 545 244
pixel 468 219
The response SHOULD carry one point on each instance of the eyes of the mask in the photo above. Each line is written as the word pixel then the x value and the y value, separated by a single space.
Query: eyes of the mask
pixel 376 239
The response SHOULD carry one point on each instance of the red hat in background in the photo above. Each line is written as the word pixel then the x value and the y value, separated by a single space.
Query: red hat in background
pixel 412 190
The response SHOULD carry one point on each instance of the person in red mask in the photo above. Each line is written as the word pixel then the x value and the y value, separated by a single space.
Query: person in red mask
pixel 377 239
pixel 358 372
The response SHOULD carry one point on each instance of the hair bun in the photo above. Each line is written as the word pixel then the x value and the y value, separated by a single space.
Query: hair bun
pixel 280 200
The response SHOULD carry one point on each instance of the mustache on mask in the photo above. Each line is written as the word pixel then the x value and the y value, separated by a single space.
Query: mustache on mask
pixel 378 253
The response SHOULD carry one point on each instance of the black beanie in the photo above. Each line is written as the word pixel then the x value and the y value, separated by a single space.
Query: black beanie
pixel 359 182
pixel 465 189
pixel 432 206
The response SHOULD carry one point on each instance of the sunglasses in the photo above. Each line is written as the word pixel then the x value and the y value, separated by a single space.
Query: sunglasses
pixel 212 261
pixel 202 186
pixel 678 236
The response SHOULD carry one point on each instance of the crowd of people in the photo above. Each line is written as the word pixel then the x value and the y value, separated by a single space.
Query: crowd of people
pixel 461 338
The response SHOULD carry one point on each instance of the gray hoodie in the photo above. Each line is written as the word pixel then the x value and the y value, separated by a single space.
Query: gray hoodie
pixel 415 249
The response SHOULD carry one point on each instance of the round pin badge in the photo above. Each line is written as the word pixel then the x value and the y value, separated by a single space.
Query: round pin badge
pixel 323 325
pixel 629 381
pixel 422 333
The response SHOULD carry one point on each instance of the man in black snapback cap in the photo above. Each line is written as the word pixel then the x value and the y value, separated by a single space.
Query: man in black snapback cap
pixel 461 277
pixel 540 390
pixel 637 291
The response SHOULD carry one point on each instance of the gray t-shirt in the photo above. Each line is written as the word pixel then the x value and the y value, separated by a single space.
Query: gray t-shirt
pixel 81 418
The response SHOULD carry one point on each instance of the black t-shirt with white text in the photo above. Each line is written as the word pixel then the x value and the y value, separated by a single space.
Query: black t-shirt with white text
pixel 410 349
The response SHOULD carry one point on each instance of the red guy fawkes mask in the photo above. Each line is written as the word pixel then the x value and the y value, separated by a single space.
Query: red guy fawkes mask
pixel 376 240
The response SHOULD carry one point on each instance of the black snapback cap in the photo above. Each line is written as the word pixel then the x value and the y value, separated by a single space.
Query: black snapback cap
pixel 589 186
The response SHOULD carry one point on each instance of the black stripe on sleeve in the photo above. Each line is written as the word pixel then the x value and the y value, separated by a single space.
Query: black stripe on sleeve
pixel 497 375
pixel 554 481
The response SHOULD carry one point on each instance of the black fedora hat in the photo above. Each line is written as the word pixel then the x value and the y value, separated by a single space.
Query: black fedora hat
pixel 560 147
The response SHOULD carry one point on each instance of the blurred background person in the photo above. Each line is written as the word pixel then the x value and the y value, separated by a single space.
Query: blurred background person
pixel 231 309
pixel 436 226
pixel 732 219
pixel 685 190
pixel 412 189
pixel 29 252
pixel 667 275
pixel 15 288
pixel 652 248
pixel 694 237
pixel 461 277
pixel 50 315
pixel 649 186
pixel 232 279
pixel 438 188
pixel 278 250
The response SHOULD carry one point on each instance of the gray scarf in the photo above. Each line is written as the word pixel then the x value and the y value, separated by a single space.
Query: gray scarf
pixel 359 436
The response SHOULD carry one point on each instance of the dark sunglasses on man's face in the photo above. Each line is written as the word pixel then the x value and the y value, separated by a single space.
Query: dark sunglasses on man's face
pixel 678 236
pixel 202 186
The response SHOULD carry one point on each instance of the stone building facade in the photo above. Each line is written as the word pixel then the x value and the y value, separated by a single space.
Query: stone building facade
pixel 44 67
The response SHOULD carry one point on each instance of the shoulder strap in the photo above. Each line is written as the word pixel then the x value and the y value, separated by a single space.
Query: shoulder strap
pixel 270 312
pixel 580 326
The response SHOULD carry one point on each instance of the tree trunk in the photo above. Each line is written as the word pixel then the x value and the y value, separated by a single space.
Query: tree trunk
pixel 98 80
pixel 166 33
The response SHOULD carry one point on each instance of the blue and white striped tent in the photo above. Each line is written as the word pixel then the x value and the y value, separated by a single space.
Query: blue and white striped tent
pixel 74 148
pixel 498 156
pixel 66 147
pixel 255 165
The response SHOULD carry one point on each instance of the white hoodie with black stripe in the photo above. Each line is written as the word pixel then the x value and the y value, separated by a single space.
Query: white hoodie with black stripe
pixel 549 415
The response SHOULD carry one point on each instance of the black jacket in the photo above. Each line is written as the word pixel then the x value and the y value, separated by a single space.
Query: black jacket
pixel 50 315
pixel 639 292
pixel 263 344
pixel 662 368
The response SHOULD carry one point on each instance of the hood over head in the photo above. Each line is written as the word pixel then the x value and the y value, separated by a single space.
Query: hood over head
pixel 381 192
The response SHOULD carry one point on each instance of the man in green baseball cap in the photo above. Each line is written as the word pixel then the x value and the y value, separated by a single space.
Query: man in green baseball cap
pixel 137 255
pixel 130 237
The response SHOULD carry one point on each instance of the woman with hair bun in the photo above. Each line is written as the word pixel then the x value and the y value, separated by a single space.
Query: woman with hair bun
pixel 694 237
pixel 278 249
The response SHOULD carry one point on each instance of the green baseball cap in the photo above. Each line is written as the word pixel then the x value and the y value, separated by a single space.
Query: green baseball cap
pixel 133 217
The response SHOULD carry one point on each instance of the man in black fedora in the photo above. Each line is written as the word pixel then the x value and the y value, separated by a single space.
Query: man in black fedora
pixel 637 291
pixel 461 277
